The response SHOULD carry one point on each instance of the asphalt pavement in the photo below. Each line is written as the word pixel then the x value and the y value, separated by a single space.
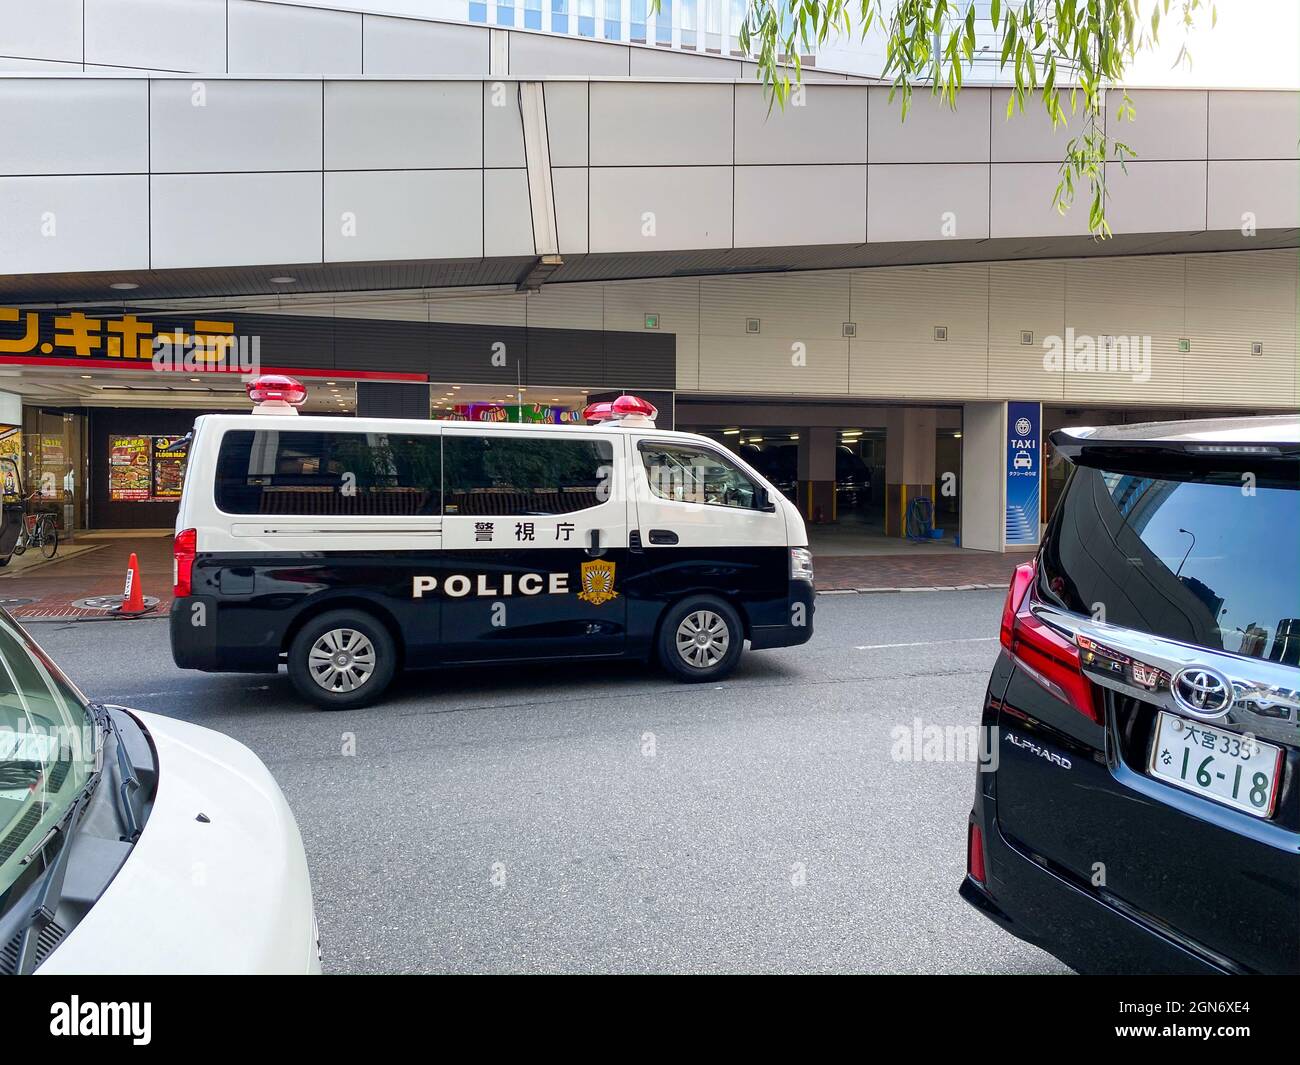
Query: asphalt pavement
pixel 571 817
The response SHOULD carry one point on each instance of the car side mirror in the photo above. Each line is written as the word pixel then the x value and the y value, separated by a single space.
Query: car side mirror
pixel 762 501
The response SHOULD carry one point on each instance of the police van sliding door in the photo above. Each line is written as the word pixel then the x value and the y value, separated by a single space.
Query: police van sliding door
pixel 534 543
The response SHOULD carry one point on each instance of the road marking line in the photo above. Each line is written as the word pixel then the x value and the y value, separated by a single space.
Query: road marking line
pixel 924 643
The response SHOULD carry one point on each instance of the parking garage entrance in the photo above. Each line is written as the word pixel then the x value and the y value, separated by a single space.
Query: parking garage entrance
pixel 868 479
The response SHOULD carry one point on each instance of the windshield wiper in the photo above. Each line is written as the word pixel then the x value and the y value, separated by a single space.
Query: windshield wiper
pixel 47 899
pixel 128 781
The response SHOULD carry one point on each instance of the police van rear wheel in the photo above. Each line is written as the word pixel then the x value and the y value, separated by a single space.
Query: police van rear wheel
pixel 701 639
pixel 342 660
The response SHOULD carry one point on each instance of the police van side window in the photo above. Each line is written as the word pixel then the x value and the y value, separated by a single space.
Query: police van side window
pixel 496 474
pixel 688 474
pixel 330 474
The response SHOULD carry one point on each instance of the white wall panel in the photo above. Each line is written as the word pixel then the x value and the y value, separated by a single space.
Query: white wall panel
pixel 74 126
pixel 829 127
pixel 570 189
pixel 1265 192
pixel 536 55
pixel 187 34
pixel 1167 124
pixel 216 125
pixel 1155 197
pixel 399 46
pixel 41 29
pixel 788 205
pixel 507 219
pixel 503 131
pixel 404 214
pixel 660 124
pixel 403 125
pixel 279 39
pixel 235 219
pixel 662 63
pixel 932 132
pixel 917 202
pixel 38 66
pixel 566 122
pixel 660 208
pixel 1254 125
pixel 1029 136
pixel 1020 202
pixel 51 224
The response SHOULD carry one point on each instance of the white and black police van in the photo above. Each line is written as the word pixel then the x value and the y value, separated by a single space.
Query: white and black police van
pixel 350 548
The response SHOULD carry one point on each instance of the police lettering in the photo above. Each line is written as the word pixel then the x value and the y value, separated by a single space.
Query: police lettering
pixel 459 585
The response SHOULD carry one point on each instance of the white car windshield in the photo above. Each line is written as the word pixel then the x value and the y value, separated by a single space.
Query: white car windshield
pixel 48 745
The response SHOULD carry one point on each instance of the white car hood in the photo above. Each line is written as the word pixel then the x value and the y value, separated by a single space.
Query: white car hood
pixel 228 896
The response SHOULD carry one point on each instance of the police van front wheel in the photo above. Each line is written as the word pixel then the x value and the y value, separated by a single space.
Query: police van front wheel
pixel 701 639
pixel 342 660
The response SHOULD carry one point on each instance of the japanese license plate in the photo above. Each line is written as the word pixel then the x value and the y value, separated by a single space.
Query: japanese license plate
pixel 1229 767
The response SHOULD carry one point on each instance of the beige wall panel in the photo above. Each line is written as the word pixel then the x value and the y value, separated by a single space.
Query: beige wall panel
pixel 799 307
pixel 896 353
pixel 1153 197
pixel 1024 295
pixel 1254 125
pixel 566 307
pixel 762 365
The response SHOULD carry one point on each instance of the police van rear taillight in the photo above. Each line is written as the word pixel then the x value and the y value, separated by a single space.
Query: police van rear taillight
pixel 184 548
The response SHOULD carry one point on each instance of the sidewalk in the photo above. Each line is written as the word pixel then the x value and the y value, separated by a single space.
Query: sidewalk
pixel 97 567
pixel 48 591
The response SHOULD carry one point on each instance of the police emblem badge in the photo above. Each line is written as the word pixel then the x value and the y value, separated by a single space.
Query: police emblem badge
pixel 597 582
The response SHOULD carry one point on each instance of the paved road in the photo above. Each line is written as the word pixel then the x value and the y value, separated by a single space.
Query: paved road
pixel 603 818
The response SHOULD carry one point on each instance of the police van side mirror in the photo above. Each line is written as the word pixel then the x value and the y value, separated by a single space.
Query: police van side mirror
pixel 762 502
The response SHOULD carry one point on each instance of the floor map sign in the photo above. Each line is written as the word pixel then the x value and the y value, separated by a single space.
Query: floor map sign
pixel 1024 473
pixel 168 466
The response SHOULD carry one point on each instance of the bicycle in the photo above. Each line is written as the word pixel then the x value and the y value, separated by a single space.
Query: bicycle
pixel 38 531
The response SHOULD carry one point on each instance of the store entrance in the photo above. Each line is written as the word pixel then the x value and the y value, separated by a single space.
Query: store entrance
pixel 54 466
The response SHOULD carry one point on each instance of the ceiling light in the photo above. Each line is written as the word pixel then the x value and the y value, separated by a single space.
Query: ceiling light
pixel 124 286
pixel 283 279
pixel 85 377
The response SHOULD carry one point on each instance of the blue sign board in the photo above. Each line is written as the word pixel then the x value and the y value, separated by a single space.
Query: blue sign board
pixel 1024 473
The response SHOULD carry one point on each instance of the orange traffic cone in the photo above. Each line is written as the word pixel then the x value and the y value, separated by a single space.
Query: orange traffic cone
pixel 133 593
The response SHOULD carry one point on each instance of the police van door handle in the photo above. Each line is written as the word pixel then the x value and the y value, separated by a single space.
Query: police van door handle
pixel 663 536
pixel 595 550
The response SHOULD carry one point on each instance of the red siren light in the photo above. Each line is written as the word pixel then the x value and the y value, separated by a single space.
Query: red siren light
pixel 623 407
pixel 626 405
pixel 275 393
pixel 598 412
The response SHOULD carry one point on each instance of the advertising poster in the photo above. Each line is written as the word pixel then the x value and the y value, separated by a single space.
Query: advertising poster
pixel 129 468
pixel 11 447
pixel 1024 473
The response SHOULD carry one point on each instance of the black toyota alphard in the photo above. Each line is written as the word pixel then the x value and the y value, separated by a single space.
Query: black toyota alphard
pixel 1142 811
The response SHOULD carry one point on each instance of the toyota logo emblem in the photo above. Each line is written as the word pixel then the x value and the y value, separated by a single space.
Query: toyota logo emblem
pixel 1202 691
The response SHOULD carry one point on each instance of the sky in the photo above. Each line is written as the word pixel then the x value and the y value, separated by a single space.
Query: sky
pixel 1254 44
